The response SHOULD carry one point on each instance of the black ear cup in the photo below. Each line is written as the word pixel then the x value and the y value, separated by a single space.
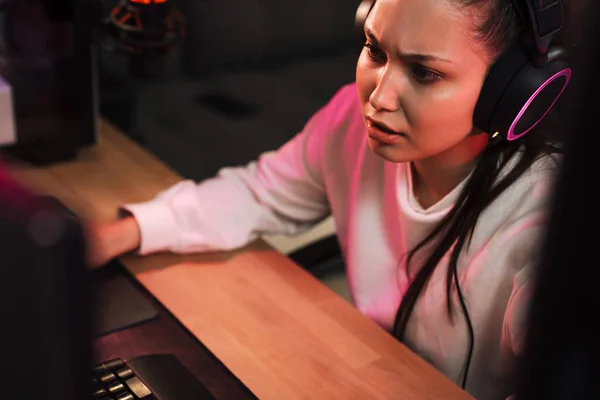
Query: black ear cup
pixel 516 95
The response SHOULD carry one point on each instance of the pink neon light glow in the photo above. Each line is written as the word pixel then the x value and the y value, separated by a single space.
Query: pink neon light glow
pixel 511 132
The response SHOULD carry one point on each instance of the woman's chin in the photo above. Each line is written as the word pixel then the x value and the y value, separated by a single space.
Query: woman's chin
pixel 391 153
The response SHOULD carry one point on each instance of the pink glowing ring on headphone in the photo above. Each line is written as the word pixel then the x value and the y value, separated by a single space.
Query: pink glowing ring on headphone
pixel 566 73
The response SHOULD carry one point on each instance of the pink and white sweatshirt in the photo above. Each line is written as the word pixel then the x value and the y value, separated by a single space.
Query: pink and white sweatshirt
pixel 328 169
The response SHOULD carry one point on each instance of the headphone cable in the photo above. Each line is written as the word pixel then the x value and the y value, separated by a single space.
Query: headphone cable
pixel 471 332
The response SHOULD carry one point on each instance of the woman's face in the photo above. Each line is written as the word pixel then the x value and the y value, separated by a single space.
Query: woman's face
pixel 419 76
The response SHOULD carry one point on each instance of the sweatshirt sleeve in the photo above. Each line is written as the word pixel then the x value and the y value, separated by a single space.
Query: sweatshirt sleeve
pixel 523 247
pixel 515 323
pixel 280 193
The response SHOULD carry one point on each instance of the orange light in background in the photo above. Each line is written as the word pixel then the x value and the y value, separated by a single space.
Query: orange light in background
pixel 148 1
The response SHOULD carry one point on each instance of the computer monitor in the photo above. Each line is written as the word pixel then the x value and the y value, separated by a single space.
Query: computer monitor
pixel 561 356
pixel 44 302
pixel 48 66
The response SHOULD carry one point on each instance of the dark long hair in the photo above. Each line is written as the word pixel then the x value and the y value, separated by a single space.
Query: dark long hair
pixel 499 26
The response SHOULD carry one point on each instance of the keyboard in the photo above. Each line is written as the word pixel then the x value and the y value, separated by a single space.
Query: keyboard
pixel 115 380
pixel 150 377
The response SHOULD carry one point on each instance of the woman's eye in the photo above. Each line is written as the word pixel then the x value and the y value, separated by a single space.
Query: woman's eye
pixel 425 75
pixel 375 53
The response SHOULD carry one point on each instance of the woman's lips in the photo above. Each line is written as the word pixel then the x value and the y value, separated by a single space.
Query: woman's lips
pixel 382 133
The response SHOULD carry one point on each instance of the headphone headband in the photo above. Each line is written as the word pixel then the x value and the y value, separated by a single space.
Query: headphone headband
pixel 544 19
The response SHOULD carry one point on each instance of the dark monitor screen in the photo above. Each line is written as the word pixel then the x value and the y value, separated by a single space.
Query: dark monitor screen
pixel 561 358
pixel 47 57
pixel 44 309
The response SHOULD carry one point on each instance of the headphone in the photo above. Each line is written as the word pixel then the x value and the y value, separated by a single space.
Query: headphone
pixel 527 79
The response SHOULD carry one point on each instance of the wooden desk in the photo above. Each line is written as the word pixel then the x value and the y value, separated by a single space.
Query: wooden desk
pixel 279 330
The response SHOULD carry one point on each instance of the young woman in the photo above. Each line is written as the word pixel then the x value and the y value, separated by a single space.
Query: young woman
pixel 438 226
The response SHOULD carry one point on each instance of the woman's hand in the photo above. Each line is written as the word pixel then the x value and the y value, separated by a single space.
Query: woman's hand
pixel 109 240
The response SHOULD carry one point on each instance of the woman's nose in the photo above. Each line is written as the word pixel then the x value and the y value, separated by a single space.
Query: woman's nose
pixel 386 96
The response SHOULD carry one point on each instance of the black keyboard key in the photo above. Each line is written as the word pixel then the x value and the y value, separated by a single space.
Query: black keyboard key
pixel 138 388
pixel 100 392
pixel 107 378
pixel 99 369
pixel 125 373
pixel 125 396
pixel 115 364
pixel 117 388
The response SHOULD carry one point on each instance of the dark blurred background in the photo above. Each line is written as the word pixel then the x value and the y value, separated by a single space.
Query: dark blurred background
pixel 245 79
